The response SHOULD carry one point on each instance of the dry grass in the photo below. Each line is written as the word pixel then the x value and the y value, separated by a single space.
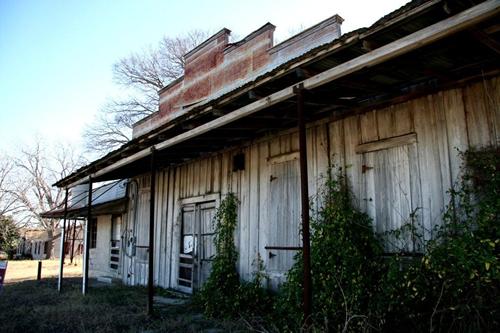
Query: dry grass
pixel 22 270
pixel 27 305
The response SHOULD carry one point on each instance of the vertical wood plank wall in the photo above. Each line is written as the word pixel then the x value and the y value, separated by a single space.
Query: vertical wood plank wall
pixel 443 123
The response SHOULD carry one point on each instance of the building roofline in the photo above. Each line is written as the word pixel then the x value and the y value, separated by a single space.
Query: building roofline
pixel 121 153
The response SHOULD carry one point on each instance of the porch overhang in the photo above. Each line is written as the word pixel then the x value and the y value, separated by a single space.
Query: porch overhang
pixel 419 49
pixel 118 206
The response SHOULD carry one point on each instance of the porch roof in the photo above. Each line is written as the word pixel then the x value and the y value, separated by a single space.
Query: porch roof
pixel 420 48
pixel 106 199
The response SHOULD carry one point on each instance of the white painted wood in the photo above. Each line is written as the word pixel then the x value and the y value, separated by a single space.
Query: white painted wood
pixel 482 109
pixel 284 157
pixel 429 162
pixel 369 128
pixel 391 193
pixel 403 119
pixel 254 159
pixel 385 122
pixel 353 161
pixel 201 198
pixel 243 229
pixel 409 175
pixel 336 141
pixel 283 218
pixel 387 143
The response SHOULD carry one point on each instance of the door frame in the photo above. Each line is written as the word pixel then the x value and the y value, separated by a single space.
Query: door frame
pixel 196 202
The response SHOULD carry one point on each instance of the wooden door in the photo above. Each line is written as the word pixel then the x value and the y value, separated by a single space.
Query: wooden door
pixel 197 246
pixel 392 184
pixel 206 247
pixel 283 218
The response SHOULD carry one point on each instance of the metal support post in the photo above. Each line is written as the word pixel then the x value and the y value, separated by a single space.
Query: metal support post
pixel 39 271
pixel 151 232
pixel 71 256
pixel 304 190
pixel 87 241
pixel 63 235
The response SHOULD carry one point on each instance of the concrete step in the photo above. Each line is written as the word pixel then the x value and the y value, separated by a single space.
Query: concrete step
pixel 105 279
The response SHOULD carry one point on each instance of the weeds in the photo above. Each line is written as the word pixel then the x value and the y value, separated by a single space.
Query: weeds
pixel 33 306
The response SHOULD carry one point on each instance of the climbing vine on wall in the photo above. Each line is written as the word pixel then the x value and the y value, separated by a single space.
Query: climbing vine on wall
pixel 454 285
pixel 344 252
pixel 224 295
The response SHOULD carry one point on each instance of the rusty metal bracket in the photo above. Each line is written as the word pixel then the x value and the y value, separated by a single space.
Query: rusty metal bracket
pixel 365 168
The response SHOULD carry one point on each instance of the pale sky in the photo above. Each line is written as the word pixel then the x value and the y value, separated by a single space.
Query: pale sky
pixel 56 57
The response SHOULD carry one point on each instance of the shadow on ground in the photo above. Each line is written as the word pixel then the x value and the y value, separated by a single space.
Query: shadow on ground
pixel 36 306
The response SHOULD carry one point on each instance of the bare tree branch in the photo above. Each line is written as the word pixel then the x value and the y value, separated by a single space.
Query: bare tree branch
pixel 27 179
pixel 8 205
pixel 142 75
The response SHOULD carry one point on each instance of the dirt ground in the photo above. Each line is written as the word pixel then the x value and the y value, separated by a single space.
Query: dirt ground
pixel 23 270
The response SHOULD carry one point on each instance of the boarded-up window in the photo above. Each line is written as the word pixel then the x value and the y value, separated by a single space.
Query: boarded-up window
pixel 392 185
pixel 283 215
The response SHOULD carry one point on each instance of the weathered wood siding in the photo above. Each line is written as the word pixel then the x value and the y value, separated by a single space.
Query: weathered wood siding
pixel 400 162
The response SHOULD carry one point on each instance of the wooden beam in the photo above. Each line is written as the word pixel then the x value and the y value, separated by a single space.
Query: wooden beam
pixel 400 18
pixel 416 40
pixel 386 143
pixel 152 191
pixel 486 40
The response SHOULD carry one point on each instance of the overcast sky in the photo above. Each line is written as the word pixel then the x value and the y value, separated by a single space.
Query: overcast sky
pixel 56 56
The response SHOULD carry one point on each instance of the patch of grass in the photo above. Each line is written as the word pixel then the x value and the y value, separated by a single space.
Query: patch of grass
pixel 33 306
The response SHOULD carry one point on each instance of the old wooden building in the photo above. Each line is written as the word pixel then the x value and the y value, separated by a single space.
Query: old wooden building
pixel 391 104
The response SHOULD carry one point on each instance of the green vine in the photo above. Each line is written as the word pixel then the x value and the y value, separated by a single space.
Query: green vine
pixel 344 252
pixel 454 285
pixel 224 295
pixel 451 282
pixel 217 294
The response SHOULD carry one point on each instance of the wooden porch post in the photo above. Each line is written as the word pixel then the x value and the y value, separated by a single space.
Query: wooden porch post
pixel 73 243
pixel 304 190
pixel 151 232
pixel 87 240
pixel 63 234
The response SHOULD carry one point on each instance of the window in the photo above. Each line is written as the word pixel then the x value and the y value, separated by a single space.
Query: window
pixel 116 222
pixel 45 248
pixel 93 234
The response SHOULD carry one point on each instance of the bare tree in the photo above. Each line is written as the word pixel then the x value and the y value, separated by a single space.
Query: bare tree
pixel 8 205
pixel 141 75
pixel 33 172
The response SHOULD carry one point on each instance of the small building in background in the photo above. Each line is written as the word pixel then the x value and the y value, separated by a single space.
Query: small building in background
pixel 109 203
pixel 34 244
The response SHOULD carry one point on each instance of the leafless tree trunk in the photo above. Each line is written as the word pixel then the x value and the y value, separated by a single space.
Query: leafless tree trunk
pixel 141 75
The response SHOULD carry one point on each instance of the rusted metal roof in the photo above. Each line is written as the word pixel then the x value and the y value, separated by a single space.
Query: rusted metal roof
pixel 429 68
